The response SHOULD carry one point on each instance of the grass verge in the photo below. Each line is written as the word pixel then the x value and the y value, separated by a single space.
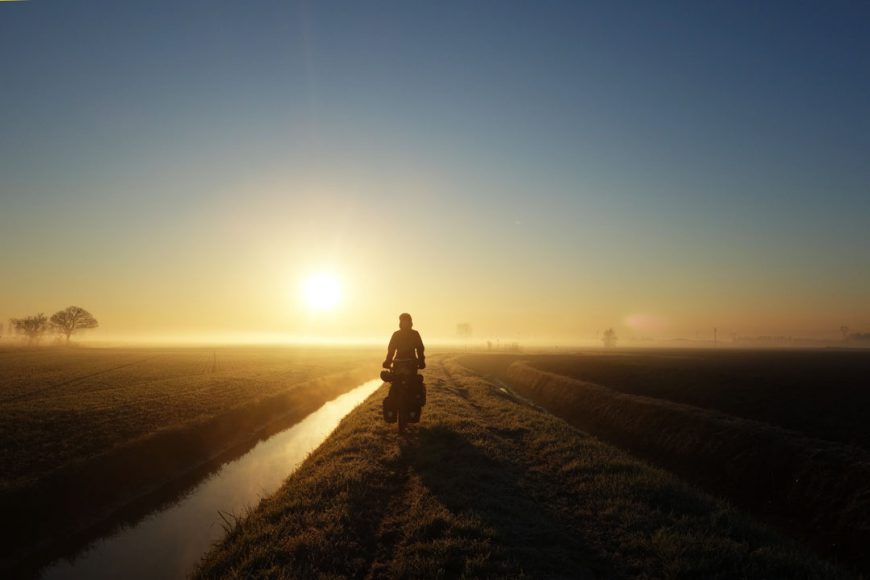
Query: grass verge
pixel 818 490
pixel 488 486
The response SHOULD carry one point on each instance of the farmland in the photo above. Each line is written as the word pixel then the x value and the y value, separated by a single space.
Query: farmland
pixel 778 433
pixel 822 394
pixel 87 430
pixel 489 486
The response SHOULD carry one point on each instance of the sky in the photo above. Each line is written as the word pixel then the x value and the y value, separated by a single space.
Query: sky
pixel 539 170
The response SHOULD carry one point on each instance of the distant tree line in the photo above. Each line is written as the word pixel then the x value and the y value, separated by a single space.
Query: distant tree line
pixel 64 322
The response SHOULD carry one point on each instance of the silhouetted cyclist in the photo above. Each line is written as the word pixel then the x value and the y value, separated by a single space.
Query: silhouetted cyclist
pixel 405 344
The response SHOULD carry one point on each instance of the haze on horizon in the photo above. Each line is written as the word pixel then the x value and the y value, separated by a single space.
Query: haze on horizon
pixel 540 171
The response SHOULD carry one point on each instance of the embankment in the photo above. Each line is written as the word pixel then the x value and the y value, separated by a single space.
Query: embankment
pixel 818 490
pixel 488 486
pixel 61 512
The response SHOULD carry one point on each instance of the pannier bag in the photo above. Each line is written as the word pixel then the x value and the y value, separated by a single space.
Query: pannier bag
pixel 417 390
pixel 416 411
pixel 390 410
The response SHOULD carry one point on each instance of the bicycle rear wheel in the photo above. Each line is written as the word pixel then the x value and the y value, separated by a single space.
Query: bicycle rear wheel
pixel 402 414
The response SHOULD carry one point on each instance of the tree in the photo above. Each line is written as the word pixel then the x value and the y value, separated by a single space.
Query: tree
pixel 33 327
pixel 71 320
pixel 609 338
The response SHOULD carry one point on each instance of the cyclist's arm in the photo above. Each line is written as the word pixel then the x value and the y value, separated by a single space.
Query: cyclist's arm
pixel 391 351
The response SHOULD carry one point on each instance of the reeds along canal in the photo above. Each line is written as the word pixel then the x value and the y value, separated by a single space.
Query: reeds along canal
pixel 170 542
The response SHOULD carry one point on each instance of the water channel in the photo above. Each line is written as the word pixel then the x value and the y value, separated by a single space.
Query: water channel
pixel 169 542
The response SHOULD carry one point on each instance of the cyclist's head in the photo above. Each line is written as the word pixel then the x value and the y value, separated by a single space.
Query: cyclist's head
pixel 405 321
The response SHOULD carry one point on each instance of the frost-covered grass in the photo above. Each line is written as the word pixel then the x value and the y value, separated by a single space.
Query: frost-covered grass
pixel 488 486
pixel 63 405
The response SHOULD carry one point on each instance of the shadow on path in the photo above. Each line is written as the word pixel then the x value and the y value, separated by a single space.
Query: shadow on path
pixel 466 480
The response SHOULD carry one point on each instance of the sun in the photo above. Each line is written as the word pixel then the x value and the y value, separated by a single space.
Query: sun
pixel 321 291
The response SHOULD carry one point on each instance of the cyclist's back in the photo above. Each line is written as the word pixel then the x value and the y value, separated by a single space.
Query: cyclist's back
pixel 405 344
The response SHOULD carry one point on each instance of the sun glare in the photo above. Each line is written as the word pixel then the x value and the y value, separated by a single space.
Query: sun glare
pixel 321 291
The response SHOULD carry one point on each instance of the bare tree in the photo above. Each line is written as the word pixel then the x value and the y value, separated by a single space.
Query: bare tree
pixel 33 327
pixel 72 319
pixel 609 338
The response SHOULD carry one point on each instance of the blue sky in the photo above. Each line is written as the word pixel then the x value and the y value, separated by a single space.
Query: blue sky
pixel 707 162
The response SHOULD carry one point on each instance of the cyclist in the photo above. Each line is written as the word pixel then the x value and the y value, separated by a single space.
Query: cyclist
pixel 405 344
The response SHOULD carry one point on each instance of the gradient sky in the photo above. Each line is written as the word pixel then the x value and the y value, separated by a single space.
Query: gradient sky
pixel 542 170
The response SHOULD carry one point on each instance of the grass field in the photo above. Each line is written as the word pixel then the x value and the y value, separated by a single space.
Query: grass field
pixel 817 489
pixel 86 430
pixel 823 394
pixel 65 405
pixel 489 486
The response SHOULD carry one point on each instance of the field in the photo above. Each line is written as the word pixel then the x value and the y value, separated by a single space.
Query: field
pixel 87 430
pixel 822 394
pixel 64 405
pixel 778 433
pixel 489 486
